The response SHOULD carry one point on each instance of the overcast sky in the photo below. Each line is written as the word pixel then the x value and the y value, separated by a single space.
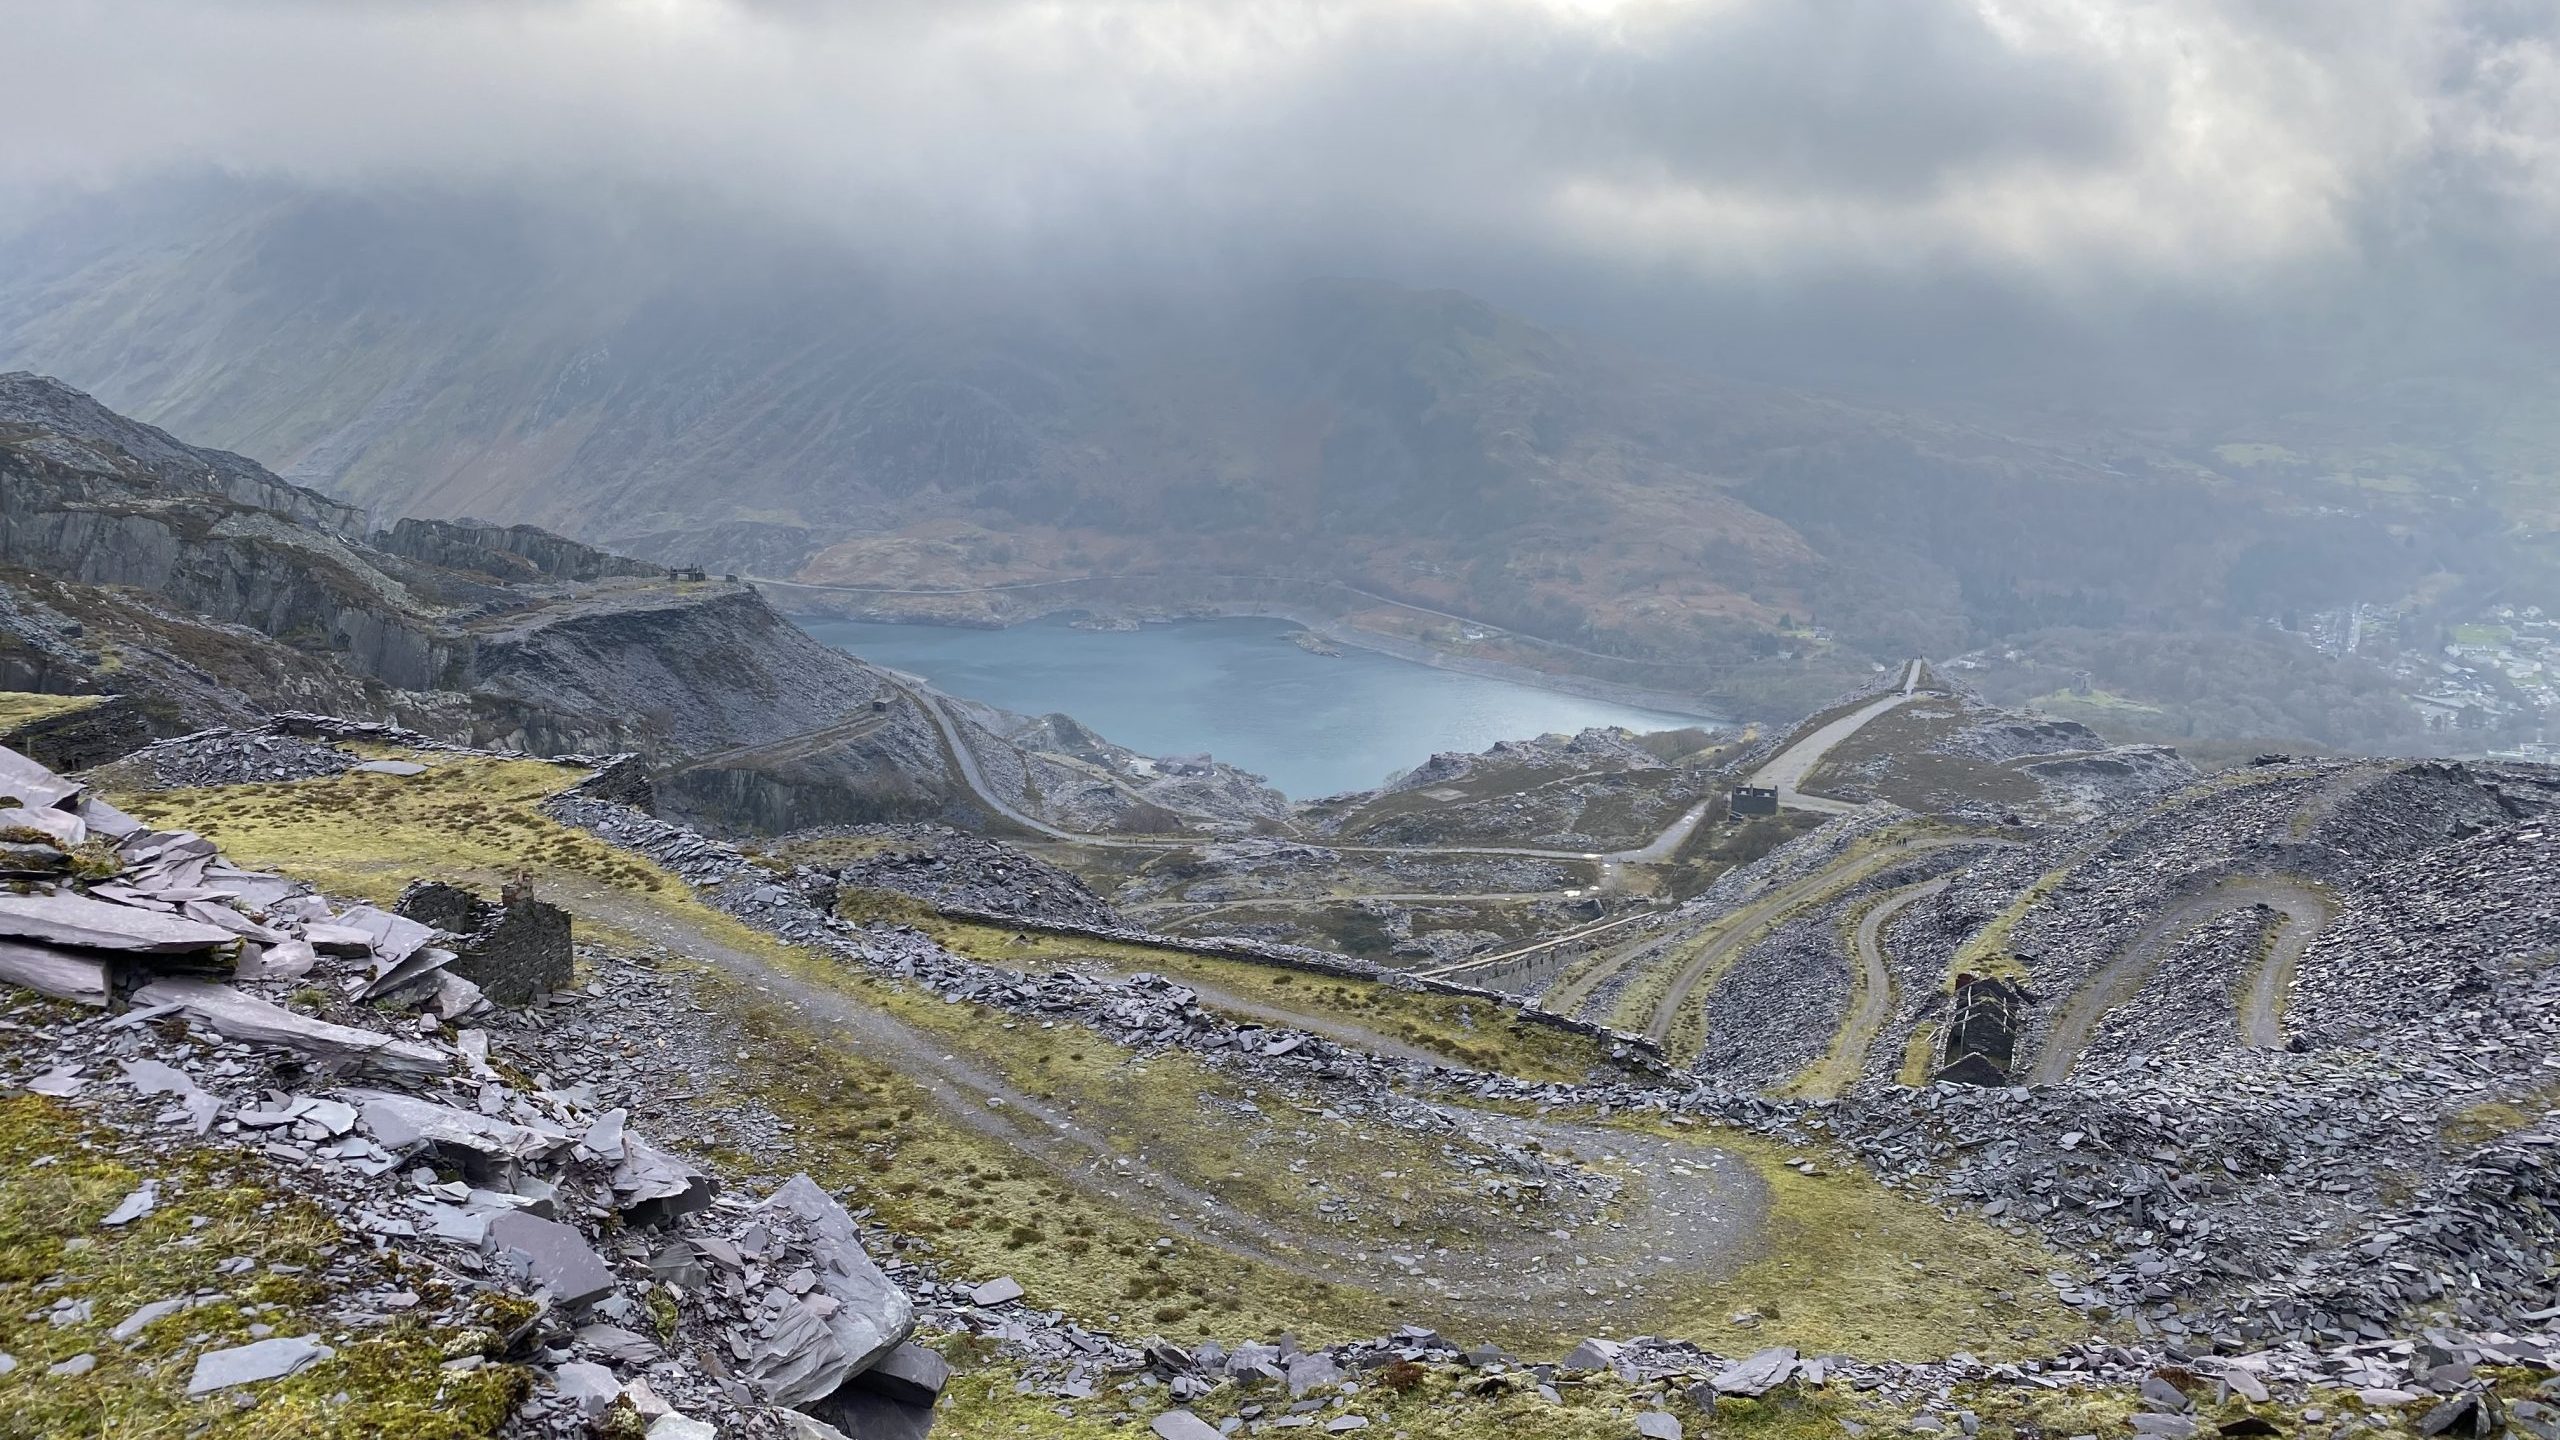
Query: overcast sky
pixel 2068 155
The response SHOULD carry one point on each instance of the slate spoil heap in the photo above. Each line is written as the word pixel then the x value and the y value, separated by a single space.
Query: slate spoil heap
pixel 398 1124
pixel 2218 1211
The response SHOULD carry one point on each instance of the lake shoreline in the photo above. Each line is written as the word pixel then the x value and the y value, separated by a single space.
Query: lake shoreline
pixel 1329 607
pixel 1341 632
pixel 1314 706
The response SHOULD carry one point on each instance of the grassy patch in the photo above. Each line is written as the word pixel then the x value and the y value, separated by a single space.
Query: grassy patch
pixel 2479 1124
pixel 1718 845
pixel 1918 1054
pixel 19 707
pixel 369 835
pixel 1856 1267
pixel 65 1175
pixel 2099 702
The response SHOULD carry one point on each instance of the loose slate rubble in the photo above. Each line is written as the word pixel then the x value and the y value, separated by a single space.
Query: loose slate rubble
pixel 559 1196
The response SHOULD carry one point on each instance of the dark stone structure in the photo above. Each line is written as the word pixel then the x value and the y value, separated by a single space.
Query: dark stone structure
pixel 111 729
pixel 1755 800
pixel 514 950
pixel 1982 1032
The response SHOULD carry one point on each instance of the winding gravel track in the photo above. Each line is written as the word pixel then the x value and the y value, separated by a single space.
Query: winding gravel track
pixel 1836 1071
pixel 1688 1212
pixel 2300 917
pixel 1743 926
pixel 2303 913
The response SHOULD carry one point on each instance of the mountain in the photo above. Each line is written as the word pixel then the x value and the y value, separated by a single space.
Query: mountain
pixel 700 395
pixel 204 589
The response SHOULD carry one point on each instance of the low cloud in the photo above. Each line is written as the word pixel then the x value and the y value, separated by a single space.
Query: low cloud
pixel 2071 151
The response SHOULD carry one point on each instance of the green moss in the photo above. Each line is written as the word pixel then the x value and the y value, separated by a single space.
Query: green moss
pixel 1851 1265
pixel 1919 1055
pixel 664 1314
pixel 64 1175
pixel 2489 1120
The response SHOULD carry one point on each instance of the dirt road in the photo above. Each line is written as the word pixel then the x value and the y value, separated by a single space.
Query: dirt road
pixel 2302 910
pixel 1687 1211
pixel 1835 1072
pixel 1787 770
pixel 1745 925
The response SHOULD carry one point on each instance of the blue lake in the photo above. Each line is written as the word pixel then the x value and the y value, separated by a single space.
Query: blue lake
pixel 1238 689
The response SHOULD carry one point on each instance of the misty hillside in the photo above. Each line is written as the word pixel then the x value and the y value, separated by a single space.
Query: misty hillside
pixel 765 410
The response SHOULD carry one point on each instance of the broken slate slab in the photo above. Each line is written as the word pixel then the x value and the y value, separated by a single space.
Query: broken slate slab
pixel 391 767
pixel 66 830
pixel 77 920
pixel 652 1187
pixel 30 784
pixel 871 1315
pixel 551 1255
pixel 1758 1375
pixel 238 1016
pixel 798 1425
pixel 59 1082
pixel 1312 1371
pixel 1183 1425
pixel 144 1199
pixel 1658 1425
pixel 586 1387
pixel 152 1077
pixel 910 1373
pixel 343 940
pixel 79 979
pixel 1591 1354
pixel 285 960
pixel 1003 1290
pixel 394 938
pixel 133 1324
pixel 256 1361
pixel 485 1146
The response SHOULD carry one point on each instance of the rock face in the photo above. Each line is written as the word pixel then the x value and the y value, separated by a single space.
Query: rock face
pixel 504 552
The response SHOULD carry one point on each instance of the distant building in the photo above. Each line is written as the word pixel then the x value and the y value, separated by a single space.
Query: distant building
pixel 1755 800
